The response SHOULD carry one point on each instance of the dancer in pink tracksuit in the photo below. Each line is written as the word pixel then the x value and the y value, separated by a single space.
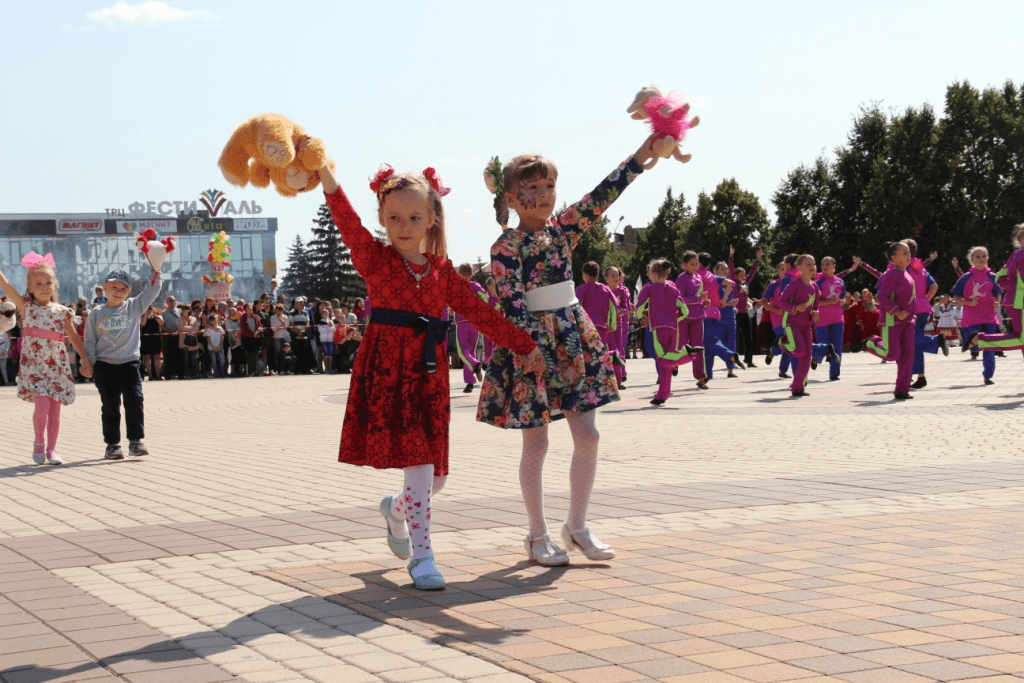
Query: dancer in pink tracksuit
pixel 661 300
pixel 467 336
pixel 599 303
pixel 1011 280
pixel 488 344
pixel 897 302
pixel 614 277
pixel 976 291
pixel 799 302
pixel 691 328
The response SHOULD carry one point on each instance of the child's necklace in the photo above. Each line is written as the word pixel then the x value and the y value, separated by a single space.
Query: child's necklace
pixel 415 276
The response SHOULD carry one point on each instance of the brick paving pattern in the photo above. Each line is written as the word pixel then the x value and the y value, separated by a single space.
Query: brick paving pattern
pixel 839 537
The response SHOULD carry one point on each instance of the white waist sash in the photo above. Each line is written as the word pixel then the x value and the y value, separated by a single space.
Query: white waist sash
pixel 551 297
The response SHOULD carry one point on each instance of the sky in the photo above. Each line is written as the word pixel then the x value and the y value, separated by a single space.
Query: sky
pixel 109 103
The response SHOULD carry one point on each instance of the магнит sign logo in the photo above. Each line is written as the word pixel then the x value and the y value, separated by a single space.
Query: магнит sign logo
pixel 212 200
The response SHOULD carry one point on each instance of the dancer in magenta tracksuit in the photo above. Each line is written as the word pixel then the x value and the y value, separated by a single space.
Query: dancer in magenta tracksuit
pixel 829 328
pixel 691 328
pixel 488 344
pixel 1011 279
pixel 786 272
pixel 467 336
pixel 745 338
pixel 799 302
pixel 599 303
pixel 613 277
pixel 925 287
pixel 718 289
pixel 897 301
pixel 978 295
pixel 665 307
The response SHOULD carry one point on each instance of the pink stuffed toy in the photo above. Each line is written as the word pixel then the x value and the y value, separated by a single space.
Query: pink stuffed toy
pixel 155 251
pixel 669 116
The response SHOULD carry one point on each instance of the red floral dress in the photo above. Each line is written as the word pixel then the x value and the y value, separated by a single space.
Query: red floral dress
pixel 398 414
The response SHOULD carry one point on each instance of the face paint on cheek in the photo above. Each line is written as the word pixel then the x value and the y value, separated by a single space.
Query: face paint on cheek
pixel 527 199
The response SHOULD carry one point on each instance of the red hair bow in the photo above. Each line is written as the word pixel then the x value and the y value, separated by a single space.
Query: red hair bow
pixel 377 179
pixel 436 182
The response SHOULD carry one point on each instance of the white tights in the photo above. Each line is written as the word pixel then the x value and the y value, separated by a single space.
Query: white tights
pixel 582 471
pixel 413 504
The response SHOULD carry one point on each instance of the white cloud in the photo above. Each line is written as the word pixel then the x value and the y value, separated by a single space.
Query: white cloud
pixel 146 14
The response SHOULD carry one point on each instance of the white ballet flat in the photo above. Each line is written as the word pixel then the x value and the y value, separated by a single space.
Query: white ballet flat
pixel 583 541
pixel 542 550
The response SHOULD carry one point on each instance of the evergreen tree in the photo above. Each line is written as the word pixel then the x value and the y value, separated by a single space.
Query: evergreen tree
pixel 659 238
pixel 299 277
pixel 331 262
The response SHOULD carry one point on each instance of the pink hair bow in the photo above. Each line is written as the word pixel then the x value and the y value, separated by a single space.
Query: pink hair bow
pixel 377 179
pixel 34 260
pixel 436 182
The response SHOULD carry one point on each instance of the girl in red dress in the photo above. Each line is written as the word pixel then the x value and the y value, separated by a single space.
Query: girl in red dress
pixel 398 408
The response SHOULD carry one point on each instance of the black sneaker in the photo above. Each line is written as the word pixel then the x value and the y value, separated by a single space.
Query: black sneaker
pixel 675 371
pixel 988 380
pixel 783 375
pixel 656 401
pixel 831 354
pixel 468 389
pixel 942 345
pixel 800 394
pixel 737 362
pixel 901 396
pixel 768 358
pixel 479 372
pixel 114 452
pixel 814 364
pixel 968 343
pixel 921 383
pixel 702 384
pixel 137 448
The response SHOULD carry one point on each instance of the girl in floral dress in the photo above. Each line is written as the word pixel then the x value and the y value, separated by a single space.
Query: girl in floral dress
pixel 398 409
pixel 532 265
pixel 44 377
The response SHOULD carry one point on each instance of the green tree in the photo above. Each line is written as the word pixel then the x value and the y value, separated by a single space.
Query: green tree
pixel 659 238
pixel 299 278
pixel 729 216
pixel 329 258
pixel 593 246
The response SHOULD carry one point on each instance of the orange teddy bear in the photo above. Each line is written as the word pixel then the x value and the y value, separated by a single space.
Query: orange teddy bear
pixel 270 148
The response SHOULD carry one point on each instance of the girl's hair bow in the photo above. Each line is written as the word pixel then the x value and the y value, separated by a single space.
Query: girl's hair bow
pixel 377 179
pixel 435 181
pixel 34 260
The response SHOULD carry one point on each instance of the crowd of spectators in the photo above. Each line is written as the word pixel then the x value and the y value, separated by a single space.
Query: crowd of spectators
pixel 234 338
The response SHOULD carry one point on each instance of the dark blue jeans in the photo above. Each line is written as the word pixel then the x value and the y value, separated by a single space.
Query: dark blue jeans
pixel 114 384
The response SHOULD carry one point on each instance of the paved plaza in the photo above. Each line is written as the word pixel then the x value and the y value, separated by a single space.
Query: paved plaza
pixel 838 537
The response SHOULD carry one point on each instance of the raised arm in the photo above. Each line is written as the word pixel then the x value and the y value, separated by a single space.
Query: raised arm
pixel 507 269
pixel 12 293
pixel 361 243
pixel 577 219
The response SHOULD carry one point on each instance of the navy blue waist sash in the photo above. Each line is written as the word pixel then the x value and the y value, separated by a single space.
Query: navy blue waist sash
pixel 435 329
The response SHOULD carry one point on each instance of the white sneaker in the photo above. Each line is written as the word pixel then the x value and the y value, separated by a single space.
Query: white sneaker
pixel 52 458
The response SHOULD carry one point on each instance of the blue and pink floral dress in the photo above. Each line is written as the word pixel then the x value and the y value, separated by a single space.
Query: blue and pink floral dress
pixel 579 375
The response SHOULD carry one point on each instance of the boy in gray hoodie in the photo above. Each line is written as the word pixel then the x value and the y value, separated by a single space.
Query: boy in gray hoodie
pixel 112 345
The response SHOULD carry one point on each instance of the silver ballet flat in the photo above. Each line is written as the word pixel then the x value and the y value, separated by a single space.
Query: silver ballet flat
pixel 401 547
pixel 584 542
pixel 542 550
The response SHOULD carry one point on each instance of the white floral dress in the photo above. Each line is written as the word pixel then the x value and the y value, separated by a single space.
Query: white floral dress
pixel 45 369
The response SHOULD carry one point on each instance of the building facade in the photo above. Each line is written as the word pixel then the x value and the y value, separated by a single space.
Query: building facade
pixel 86 247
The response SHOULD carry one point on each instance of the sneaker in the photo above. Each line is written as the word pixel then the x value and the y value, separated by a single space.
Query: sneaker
pixel 137 448
pixel 114 452
pixel 814 364
pixel 657 401
pixel 52 458
pixel 768 358
pixel 902 396
pixel 968 343
pixel 988 380
pixel 942 345
pixel 479 372
pixel 468 389
pixel 921 383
